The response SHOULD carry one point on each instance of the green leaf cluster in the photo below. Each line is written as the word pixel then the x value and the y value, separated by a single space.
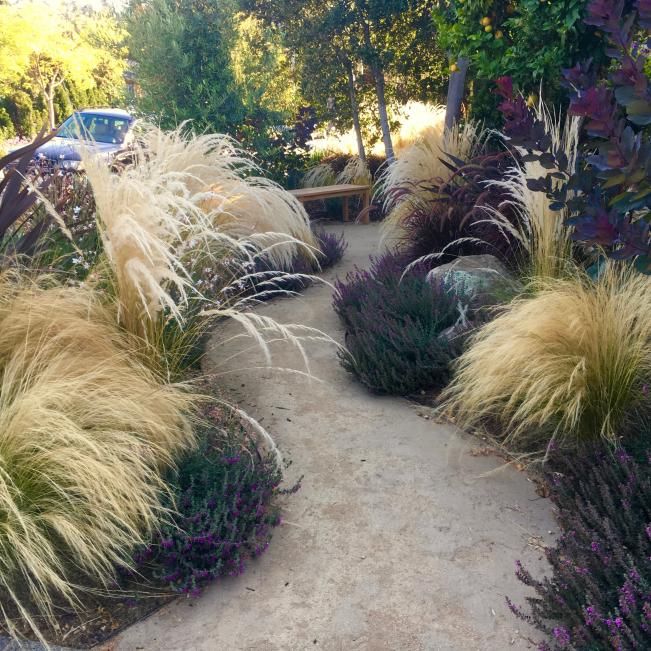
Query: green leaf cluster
pixel 528 40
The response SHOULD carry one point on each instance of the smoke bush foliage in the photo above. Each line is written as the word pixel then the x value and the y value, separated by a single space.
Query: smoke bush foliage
pixel 223 513
pixel 608 192
pixel 393 322
pixel 598 595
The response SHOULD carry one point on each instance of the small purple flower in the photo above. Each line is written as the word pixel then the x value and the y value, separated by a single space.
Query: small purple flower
pixel 591 616
pixel 562 636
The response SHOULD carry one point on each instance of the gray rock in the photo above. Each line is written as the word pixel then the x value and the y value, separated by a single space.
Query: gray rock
pixel 478 280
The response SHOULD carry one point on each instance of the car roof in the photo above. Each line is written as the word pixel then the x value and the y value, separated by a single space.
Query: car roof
pixel 111 112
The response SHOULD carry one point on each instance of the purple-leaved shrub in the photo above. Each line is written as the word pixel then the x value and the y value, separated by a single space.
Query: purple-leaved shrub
pixel 598 594
pixel 449 218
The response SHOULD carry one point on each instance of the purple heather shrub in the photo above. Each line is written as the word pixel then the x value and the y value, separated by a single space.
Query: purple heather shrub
pixel 332 247
pixel 598 594
pixel 267 282
pixel 223 512
pixel 394 318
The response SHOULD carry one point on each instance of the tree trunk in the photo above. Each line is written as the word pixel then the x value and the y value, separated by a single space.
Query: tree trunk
pixel 49 102
pixel 456 87
pixel 355 110
pixel 378 75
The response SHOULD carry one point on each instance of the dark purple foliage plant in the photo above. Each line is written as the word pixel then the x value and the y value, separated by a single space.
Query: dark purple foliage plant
pixel 332 248
pixel 598 593
pixel 20 230
pixel 450 218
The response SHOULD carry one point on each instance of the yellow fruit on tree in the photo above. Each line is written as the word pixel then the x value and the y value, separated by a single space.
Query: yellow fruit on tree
pixel 488 28
pixel 454 67
pixel 485 21
pixel 499 34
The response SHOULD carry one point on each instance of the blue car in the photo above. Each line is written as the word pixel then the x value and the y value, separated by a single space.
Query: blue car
pixel 104 132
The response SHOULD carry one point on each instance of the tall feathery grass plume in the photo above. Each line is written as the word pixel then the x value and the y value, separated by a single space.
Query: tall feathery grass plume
pixel 421 163
pixel 181 197
pixel 355 172
pixel 566 366
pixel 542 232
pixel 319 175
pixel 417 122
pixel 84 432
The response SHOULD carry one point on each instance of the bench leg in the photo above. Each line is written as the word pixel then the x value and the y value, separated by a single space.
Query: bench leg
pixel 346 211
pixel 366 202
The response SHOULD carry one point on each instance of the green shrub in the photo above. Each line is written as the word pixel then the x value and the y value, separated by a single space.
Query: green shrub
pixel 6 125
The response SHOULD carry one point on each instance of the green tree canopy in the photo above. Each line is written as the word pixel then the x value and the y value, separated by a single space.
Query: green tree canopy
pixel 183 65
pixel 45 50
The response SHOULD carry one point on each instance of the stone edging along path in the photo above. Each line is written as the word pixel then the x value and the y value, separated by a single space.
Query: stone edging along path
pixel 402 537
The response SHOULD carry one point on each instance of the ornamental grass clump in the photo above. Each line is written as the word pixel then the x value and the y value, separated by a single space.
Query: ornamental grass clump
pixel 598 593
pixel 185 202
pixel 224 509
pixel 567 365
pixel 540 231
pixel 394 321
pixel 84 432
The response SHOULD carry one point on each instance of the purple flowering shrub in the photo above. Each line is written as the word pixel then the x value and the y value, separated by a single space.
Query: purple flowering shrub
pixel 598 595
pixel 332 248
pixel 393 321
pixel 223 514
pixel 267 282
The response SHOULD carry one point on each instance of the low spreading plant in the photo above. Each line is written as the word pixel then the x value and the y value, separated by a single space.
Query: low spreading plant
pixel 223 510
pixel 393 326
pixel 565 366
pixel 598 593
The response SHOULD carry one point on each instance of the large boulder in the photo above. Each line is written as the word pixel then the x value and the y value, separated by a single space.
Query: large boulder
pixel 478 280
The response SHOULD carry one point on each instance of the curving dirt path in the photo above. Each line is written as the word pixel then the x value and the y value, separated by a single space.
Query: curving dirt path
pixel 401 537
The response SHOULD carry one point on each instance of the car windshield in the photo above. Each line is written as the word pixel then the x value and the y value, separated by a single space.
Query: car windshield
pixel 91 126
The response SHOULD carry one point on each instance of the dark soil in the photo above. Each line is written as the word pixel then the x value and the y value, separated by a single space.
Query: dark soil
pixel 102 616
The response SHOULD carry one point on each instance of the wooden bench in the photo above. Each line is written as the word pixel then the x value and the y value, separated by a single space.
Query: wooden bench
pixel 344 191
